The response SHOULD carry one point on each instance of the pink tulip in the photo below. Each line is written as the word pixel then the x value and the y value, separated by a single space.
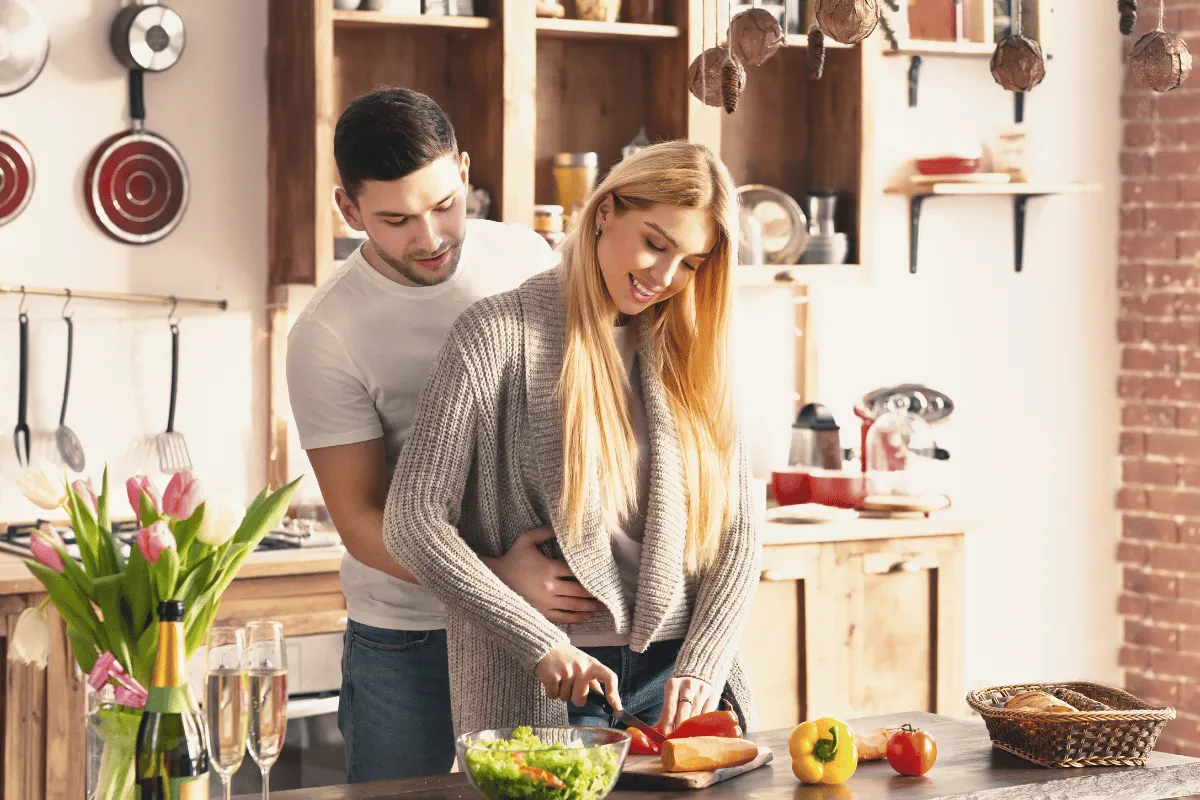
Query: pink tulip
pixel 153 540
pixel 184 493
pixel 42 543
pixel 98 677
pixel 87 494
pixel 135 486
pixel 125 697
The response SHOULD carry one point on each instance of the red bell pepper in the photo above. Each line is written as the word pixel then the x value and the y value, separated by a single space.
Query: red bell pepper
pixel 714 723
pixel 641 744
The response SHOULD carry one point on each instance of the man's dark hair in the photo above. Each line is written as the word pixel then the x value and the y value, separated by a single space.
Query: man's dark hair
pixel 389 134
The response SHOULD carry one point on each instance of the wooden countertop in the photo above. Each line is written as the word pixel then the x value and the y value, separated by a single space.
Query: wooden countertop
pixel 967 767
pixel 940 523
pixel 15 577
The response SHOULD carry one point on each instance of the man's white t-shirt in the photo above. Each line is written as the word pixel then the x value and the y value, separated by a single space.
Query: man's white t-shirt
pixel 359 356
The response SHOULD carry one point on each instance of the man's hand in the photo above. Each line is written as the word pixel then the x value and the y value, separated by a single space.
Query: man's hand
pixel 547 584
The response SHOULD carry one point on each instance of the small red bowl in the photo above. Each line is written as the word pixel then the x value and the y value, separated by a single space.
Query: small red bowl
pixel 947 165
pixel 790 487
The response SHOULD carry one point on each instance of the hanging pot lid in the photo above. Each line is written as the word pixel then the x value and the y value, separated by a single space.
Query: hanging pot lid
pixel 16 177
pixel 24 45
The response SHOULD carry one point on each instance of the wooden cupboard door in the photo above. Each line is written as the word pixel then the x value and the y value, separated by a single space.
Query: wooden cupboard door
pixel 883 628
pixel 772 651
pixel 772 643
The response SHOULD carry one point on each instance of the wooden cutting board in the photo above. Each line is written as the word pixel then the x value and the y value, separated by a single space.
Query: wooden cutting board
pixel 646 772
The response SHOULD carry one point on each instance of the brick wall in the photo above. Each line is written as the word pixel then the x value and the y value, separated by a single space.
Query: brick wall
pixel 1159 390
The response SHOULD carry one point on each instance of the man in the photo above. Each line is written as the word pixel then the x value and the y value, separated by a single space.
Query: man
pixel 358 358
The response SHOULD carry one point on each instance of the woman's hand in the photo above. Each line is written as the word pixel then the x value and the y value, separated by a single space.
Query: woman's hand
pixel 684 698
pixel 567 673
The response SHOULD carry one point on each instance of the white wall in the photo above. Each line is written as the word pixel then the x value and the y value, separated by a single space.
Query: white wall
pixel 1030 360
pixel 212 107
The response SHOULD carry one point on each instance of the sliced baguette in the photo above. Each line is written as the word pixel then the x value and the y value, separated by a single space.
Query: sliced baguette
pixel 702 753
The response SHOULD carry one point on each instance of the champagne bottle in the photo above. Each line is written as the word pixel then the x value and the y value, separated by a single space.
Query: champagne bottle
pixel 172 754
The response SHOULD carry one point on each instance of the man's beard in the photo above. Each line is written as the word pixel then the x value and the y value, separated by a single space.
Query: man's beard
pixel 417 275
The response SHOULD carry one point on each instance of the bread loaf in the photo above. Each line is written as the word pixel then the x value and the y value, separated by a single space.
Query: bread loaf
pixel 1039 701
pixel 700 753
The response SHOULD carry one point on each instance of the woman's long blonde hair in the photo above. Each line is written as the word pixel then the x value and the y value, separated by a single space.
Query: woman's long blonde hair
pixel 690 332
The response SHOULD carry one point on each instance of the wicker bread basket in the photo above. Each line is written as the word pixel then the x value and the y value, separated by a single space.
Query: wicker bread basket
pixel 1112 728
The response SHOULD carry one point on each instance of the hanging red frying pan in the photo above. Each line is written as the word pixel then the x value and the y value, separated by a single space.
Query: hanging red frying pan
pixel 136 185
pixel 16 177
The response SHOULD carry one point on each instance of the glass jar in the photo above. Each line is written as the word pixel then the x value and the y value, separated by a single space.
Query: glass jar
pixel 901 453
pixel 574 176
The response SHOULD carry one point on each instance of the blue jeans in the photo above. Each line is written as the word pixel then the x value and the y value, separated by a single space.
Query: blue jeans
pixel 640 681
pixel 394 711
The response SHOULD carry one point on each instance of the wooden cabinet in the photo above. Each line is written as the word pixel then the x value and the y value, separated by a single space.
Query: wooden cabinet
pixel 42 711
pixel 856 628
pixel 520 89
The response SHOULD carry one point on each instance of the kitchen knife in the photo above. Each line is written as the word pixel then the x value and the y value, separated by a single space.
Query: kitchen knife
pixel 624 716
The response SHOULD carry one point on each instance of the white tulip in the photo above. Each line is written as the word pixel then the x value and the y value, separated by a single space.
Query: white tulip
pixel 44 484
pixel 221 519
pixel 30 641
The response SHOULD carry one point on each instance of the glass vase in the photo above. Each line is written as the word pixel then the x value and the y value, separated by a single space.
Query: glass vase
pixel 111 745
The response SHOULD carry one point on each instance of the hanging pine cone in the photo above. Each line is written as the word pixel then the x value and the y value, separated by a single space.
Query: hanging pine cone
pixel 755 36
pixel 1018 64
pixel 733 79
pixel 1160 61
pixel 1128 10
pixel 705 76
pixel 847 21
pixel 816 53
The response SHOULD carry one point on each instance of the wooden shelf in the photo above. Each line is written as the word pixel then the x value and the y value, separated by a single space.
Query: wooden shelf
pixel 1020 192
pixel 801 40
pixel 586 29
pixel 749 277
pixel 916 47
pixel 1026 189
pixel 375 19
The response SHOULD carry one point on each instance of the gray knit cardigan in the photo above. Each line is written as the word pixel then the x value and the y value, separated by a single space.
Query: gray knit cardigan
pixel 483 463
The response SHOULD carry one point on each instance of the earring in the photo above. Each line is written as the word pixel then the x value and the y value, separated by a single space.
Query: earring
pixel 599 231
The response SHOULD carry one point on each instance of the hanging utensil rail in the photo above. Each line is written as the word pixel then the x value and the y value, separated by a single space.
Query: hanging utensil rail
pixel 120 297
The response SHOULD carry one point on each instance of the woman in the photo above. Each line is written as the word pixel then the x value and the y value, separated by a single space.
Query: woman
pixel 595 399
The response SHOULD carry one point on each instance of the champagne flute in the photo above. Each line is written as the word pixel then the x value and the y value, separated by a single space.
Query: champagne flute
pixel 266 668
pixel 226 701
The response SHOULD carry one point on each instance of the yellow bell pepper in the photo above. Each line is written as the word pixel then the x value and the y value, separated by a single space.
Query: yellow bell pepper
pixel 823 751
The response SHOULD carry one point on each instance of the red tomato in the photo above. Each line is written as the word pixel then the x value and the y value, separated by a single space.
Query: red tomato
pixel 911 751
pixel 641 744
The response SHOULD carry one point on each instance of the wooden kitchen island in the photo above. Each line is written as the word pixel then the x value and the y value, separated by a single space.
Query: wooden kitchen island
pixel 967 768
pixel 851 618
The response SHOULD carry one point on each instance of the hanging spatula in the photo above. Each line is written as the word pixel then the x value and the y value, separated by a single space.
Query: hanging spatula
pixel 172 449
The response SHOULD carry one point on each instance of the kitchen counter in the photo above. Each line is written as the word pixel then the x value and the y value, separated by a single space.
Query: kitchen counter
pixel 15 577
pixel 967 767
pixel 940 523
